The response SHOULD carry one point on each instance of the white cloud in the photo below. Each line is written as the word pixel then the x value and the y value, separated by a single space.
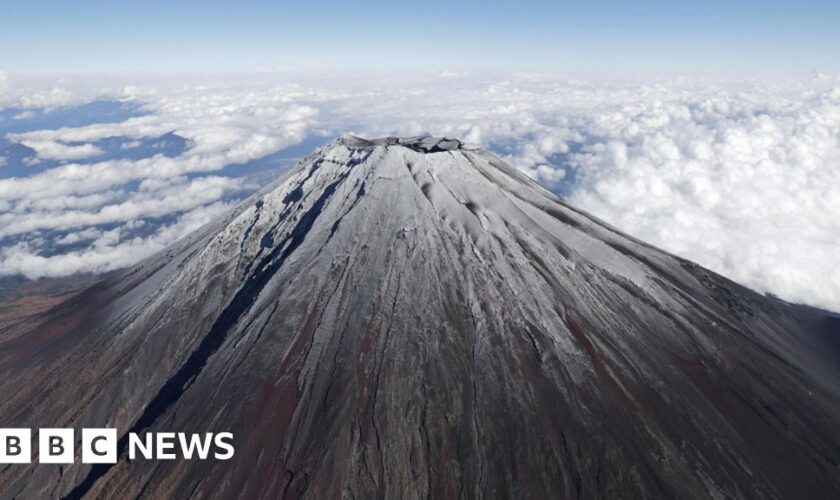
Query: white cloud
pixel 138 127
pixel 53 150
pixel 738 176
pixel 175 198
pixel 18 91
pixel 107 253
pixel 748 189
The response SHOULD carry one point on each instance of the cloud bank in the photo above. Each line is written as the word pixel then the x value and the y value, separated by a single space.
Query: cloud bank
pixel 740 176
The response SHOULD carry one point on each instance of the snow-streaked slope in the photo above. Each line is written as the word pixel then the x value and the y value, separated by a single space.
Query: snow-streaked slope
pixel 415 318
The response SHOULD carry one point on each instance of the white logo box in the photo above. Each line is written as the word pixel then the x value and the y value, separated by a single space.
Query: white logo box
pixel 57 446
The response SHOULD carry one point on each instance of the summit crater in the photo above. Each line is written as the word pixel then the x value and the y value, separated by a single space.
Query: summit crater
pixel 420 144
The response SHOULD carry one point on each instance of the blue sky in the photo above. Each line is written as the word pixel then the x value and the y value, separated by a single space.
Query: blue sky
pixel 658 37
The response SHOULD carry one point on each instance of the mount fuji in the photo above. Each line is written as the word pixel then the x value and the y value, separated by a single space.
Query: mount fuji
pixel 414 318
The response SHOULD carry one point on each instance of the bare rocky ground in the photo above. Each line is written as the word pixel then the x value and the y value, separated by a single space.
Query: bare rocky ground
pixel 413 318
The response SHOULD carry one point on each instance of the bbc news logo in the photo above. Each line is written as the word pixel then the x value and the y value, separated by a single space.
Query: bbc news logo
pixel 99 446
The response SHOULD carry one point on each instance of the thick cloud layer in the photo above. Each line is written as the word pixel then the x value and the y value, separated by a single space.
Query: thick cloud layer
pixel 739 176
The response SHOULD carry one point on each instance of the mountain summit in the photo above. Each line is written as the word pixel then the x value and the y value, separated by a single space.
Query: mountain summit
pixel 414 318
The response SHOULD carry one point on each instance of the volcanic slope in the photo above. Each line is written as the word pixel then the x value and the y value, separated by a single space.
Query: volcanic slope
pixel 414 318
